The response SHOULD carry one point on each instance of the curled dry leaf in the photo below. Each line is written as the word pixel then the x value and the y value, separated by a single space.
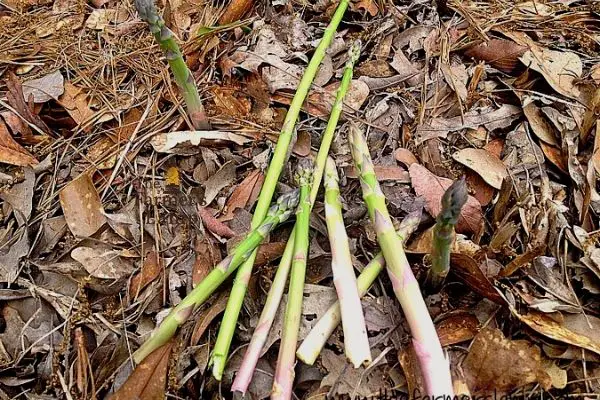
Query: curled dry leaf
pixel 497 363
pixel 555 156
pixel 432 187
pixel 149 378
pixel 457 328
pixel 12 152
pixel 490 118
pixel 539 124
pixel 502 54
pixel 577 329
pixel 18 101
pixel 383 173
pixel 75 101
pixel 213 224
pixel 151 268
pixel 224 177
pixel 468 270
pixel 189 142
pixel 208 316
pixel 102 262
pixel 489 167
pixel 46 88
pixel 82 207
pixel 242 193
pixel 235 10
pixel 561 69
pixel 207 256
pixel 405 156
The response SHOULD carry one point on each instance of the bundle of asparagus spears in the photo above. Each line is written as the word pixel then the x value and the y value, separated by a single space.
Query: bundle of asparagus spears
pixel 349 288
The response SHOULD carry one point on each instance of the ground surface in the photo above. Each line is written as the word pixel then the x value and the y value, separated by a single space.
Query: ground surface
pixel 109 218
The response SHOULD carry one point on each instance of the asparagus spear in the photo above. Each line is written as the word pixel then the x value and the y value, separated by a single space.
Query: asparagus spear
pixel 312 345
pixel 183 77
pixel 284 372
pixel 434 365
pixel 443 233
pixel 278 213
pixel 236 298
pixel 356 342
pixel 267 316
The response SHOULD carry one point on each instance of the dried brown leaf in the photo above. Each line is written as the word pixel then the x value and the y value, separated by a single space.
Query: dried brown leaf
pixel 502 54
pixel 235 10
pixel 497 363
pixel 189 142
pixel 46 88
pixel 207 317
pixel 539 124
pixel 213 224
pixel 405 156
pixel 18 101
pixel 151 268
pixel 561 69
pixel 102 262
pixel 207 256
pixel 457 328
pixel 468 270
pixel 12 152
pixel 576 329
pixel 82 207
pixel 383 173
pixel 555 156
pixel 488 166
pixel 224 177
pixel 75 101
pixel 149 378
pixel 241 195
pixel 432 188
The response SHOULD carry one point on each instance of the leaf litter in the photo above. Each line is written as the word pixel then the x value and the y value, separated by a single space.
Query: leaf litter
pixel 97 244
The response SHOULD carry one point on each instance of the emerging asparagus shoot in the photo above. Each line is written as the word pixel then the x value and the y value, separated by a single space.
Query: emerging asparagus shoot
pixel 434 365
pixel 183 77
pixel 453 201
pixel 356 341
pixel 284 372
pixel 278 213
pixel 280 155
pixel 267 316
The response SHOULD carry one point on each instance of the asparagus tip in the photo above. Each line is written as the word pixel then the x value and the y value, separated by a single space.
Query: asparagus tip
pixel 453 201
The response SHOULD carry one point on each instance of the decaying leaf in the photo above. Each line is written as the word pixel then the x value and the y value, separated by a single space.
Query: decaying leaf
pixel 9 260
pixel 432 188
pixel 502 54
pixel 539 124
pixel 488 166
pixel 457 328
pixel 347 380
pixel 224 177
pixel 12 152
pixel 189 142
pixel 561 69
pixel 76 104
pixel 490 118
pixel 497 363
pixel 46 88
pixel 383 173
pixel 82 207
pixel 151 268
pixel 102 262
pixel 576 329
pixel 20 196
pixel 242 193
pixel 148 379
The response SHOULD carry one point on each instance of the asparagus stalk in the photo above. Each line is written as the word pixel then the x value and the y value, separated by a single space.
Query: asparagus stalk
pixel 453 201
pixel 312 345
pixel 434 365
pixel 284 372
pixel 267 316
pixel 278 213
pixel 183 77
pixel 236 298
pixel 356 342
